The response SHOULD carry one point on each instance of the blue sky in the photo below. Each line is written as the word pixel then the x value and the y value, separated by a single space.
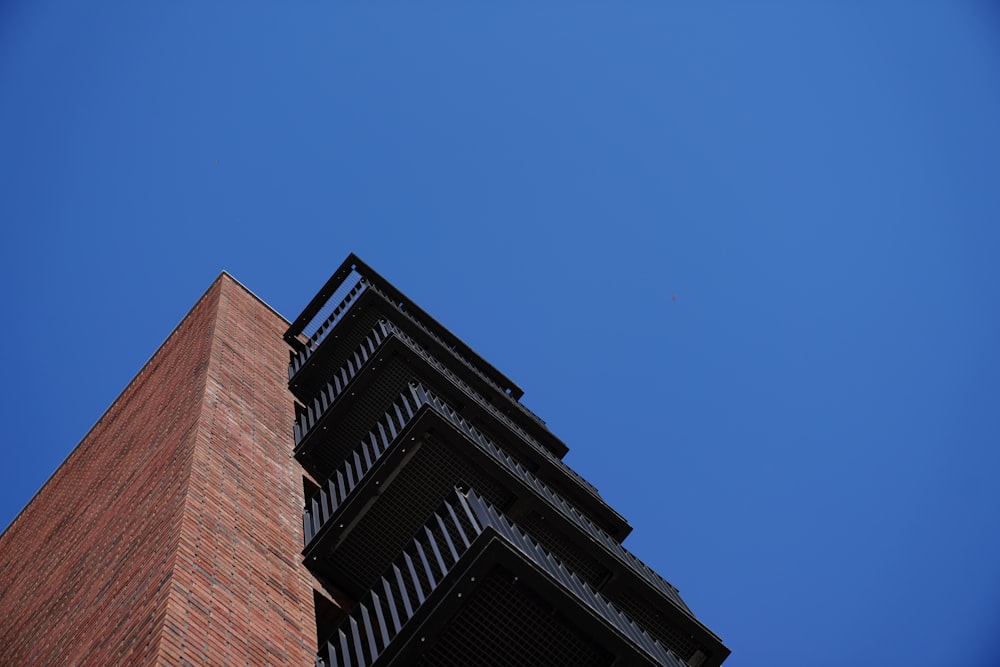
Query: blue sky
pixel 805 439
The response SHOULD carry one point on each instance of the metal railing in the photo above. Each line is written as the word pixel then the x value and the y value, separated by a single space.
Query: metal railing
pixel 309 415
pixel 496 412
pixel 468 364
pixel 299 359
pixel 423 565
pixel 566 509
pixel 324 503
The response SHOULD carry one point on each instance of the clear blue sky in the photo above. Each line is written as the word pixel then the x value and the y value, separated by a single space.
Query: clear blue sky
pixel 805 439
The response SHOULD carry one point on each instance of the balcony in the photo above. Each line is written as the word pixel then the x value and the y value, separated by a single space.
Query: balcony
pixel 361 298
pixel 417 452
pixel 471 588
pixel 386 359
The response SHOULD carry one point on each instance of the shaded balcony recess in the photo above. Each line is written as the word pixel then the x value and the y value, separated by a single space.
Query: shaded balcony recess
pixel 353 270
pixel 372 351
pixel 364 292
pixel 339 507
pixel 327 318
pixel 454 557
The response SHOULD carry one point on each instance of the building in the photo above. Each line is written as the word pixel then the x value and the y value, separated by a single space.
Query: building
pixel 440 525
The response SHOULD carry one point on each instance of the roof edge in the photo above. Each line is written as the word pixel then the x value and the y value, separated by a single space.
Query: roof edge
pixel 249 291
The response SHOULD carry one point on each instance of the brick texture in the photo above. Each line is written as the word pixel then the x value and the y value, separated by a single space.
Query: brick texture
pixel 171 534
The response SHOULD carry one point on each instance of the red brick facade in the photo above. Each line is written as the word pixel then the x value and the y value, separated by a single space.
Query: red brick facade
pixel 171 534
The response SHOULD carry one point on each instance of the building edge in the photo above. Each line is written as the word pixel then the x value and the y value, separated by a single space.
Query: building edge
pixel 124 390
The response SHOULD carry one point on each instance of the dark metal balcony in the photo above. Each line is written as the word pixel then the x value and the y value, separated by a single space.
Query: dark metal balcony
pixel 355 286
pixel 420 449
pixel 382 344
pixel 353 269
pixel 471 588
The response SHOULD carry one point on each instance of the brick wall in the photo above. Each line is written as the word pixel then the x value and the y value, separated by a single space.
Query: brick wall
pixel 171 534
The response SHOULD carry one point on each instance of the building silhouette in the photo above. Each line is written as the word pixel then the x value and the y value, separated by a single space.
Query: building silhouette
pixel 440 524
